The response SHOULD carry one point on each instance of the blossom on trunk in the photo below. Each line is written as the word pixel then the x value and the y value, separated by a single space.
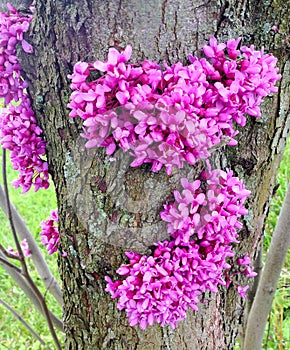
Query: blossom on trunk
pixel 49 234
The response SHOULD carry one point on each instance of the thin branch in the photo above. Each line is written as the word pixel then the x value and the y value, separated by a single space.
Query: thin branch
pixel 7 254
pixel 22 258
pixel 268 332
pixel 36 255
pixel 15 237
pixel 25 324
pixel 269 279
pixel 4 261
pixel 258 267
pixel 17 276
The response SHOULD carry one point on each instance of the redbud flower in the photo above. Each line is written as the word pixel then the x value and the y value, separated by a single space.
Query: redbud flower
pixel 49 235
pixel 202 223
pixel 168 117
pixel 25 249
pixel 175 115
pixel 18 128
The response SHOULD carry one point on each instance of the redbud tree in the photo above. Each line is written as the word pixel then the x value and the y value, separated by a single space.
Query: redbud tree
pixel 163 125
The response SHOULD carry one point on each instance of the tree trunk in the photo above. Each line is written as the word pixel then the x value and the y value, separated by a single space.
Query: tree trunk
pixel 64 32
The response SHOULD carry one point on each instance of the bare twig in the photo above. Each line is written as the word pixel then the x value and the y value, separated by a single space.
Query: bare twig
pixel 15 273
pixel 25 271
pixel 4 261
pixel 258 267
pixel 261 307
pixel 15 237
pixel 25 324
pixel 44 272
pixel 268 332
pixel 7 254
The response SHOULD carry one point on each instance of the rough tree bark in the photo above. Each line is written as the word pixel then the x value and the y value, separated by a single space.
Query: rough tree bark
pixel 64 32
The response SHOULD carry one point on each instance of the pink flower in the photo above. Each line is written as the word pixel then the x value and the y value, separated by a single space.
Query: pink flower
pixel 157 289
pixel 25 249
pixel 178 114
pixel 168 118
pixel 18 128
pixel 242 291
pixel 202 223
pixel 114 59
pixel 49 235
pixel 244 261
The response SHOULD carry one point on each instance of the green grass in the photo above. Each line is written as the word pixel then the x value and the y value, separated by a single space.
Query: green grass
pixel 33 207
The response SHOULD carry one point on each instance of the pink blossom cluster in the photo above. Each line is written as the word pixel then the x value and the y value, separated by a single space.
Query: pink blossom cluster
pixel 25 249
pixel 211 215
pixel 18 128
pixel 203 224
pixel 49 235
pixel 12 29
pixel 174 115
pixel 159 288
pixel 167 117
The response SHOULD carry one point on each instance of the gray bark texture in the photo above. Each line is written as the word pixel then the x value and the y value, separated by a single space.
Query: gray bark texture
pixel 66 31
